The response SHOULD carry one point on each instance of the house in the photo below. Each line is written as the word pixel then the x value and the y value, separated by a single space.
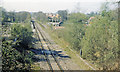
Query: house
pixel 90 19
pixel 54 19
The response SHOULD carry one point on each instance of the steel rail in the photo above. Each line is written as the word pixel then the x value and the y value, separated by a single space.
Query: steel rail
pixel 48 61
pixel 46 40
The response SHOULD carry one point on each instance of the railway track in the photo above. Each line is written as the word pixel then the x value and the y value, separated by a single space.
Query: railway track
pixel 43 38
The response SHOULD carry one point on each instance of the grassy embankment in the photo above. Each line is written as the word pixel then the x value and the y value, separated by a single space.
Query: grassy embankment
pixel 63 44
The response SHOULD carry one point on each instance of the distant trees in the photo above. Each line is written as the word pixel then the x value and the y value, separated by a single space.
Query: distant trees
pixel 77 18
pixel 15 16
pixel 40 16
pixel 63 14
pixel 91 14
pixel 4 15
pixel 22 16
pixel 105 8
pixel 11 16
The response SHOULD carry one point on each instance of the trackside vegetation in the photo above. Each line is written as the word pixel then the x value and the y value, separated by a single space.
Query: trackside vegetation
pixel 16 41
pixel 97 39
pixel 15 49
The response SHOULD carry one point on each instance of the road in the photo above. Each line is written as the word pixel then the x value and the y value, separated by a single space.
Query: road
pixel 50 55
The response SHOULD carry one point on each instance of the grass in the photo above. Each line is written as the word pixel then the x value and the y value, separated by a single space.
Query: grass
pixel 73 56
pixel 66 47
pixel 35 67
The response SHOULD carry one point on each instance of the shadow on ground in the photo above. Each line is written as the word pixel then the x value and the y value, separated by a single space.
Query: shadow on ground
pixel 41 52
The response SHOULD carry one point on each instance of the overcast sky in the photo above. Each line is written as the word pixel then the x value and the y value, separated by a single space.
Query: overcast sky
pixel 52 5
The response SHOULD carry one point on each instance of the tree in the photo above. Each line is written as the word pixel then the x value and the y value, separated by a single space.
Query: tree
pixel 77 18
pixel 63 14
pixel 92 14
pixel 100 42
pixel 24 35
pixel 40 16
pixel 11 16
pixel 74 29
pixel 15 51
pixel 4 16
pixel 22 17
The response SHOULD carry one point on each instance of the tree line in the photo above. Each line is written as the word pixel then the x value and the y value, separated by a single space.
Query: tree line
pixel 42 17
pixel 15 17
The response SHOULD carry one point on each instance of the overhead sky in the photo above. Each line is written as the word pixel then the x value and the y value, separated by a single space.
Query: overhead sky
pixel 53 6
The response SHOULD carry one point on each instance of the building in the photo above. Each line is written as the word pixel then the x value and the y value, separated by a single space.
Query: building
pixel 90 19
pixel 54 19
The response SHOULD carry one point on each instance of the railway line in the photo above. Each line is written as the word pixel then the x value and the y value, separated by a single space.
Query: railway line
pixel 51 60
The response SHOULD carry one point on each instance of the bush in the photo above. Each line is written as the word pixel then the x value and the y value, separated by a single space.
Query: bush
pixel 15 52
